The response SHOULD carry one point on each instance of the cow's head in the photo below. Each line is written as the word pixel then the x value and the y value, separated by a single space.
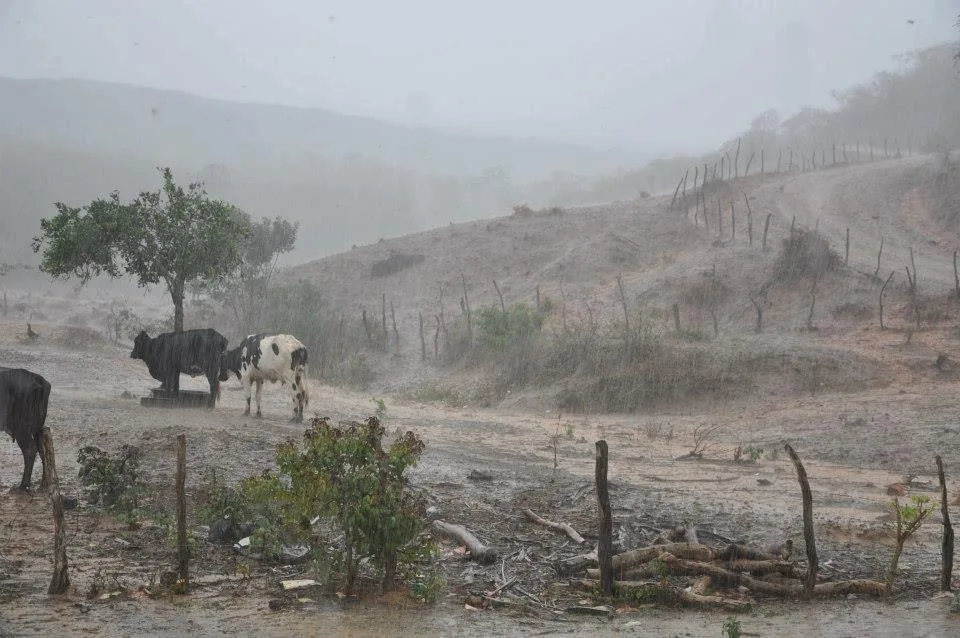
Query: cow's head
pixel 140 345
pixel 230 362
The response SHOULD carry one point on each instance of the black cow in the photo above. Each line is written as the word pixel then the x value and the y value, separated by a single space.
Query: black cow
pixel 192 352
pixel 23 411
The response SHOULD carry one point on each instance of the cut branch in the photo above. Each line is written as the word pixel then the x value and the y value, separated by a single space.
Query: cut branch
pixel 478 551
pixel 562 527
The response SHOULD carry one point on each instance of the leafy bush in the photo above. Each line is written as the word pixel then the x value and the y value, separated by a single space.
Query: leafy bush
pixel 114 481
pixel 344 474
pixel 805 253
pixel 500 330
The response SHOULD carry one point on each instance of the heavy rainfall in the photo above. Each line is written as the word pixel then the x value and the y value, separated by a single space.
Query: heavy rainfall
pixel 424 318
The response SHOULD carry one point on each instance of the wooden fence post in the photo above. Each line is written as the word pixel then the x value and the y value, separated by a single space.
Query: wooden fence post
pixel 605 536
pixel 503 306
pixel 183 548
pixel 60 581
pixel 846 256
pixel 766 227
pixel 808 537
pixel 423 343
pixel 466 303
pixel 946 543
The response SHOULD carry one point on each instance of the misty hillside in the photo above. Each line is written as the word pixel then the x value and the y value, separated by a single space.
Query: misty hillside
pixel 179 128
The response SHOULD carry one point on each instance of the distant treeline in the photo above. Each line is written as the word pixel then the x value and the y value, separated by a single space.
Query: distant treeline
pixel 914 110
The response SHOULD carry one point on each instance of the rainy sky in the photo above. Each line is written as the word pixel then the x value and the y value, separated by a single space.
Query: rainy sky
pixel 636 74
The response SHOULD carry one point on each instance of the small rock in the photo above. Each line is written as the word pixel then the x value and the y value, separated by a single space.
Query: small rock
pixel 764 482
pixel 298 583
pixel 276 604
pixel 434 513
pixel 294 555
pixel 475 475
pixel 226 531
pixel 852 596
pixel 83 606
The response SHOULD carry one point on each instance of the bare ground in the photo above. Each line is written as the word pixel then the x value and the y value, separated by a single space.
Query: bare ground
pixel 855 438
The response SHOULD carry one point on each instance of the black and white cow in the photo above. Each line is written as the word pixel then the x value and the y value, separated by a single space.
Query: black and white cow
pixel 192 352
pixel 273 358
pixel 23 411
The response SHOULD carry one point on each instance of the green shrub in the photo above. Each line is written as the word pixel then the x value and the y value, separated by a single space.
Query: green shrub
pixel 805 253
pixel 343 473
pixel 500 330
pixel 114 481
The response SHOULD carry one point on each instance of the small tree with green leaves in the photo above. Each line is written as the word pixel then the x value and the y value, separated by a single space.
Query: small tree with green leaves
pixel 909 519
pixel 173 235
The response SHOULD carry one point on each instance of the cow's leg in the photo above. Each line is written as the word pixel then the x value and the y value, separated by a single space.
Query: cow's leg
pixel 297 387
pixel 29 449
pixel 259 393
pixel 246 391
pixel 214 379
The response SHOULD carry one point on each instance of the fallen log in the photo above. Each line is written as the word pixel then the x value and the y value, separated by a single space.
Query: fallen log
pixel 478 551
pixel 576 564
pixel 646 554
pixel 728 578
pixel 754 567
pixel 563 527
pixel 763 567
pixel 655 592
pixel 735 552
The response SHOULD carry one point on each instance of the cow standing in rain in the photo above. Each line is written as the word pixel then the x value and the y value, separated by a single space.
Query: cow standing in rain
pixel 273 358
pixel 23 411
pixel 192 352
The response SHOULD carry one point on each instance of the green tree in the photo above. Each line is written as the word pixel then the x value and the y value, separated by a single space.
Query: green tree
pixel 176 236
pixel 247 288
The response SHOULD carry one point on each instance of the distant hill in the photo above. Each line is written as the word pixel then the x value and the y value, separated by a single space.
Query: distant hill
pixel 180 128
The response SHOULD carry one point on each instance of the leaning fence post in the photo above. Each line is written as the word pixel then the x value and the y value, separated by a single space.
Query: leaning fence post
pixel 605 537
pixel 61 578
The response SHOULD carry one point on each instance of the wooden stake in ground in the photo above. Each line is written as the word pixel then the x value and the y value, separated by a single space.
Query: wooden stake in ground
pixel 466 303
pixel 61 578
pixel 676 317
pixel 880 252
pixel 766 227
pixel 383 319
pixel 396 333
pixel 605 539
pixel 623 301
pixel 503 306
pixel 946 544
pixel 882 288
pixel 183 548
pixel 423 343
pixel 749 219
pixel 733 223
pixel 808 538
pixel 846 255
pixel 956 276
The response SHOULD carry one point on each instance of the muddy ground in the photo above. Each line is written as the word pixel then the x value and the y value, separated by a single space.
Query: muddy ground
pixel 648 487
pixel 863 407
